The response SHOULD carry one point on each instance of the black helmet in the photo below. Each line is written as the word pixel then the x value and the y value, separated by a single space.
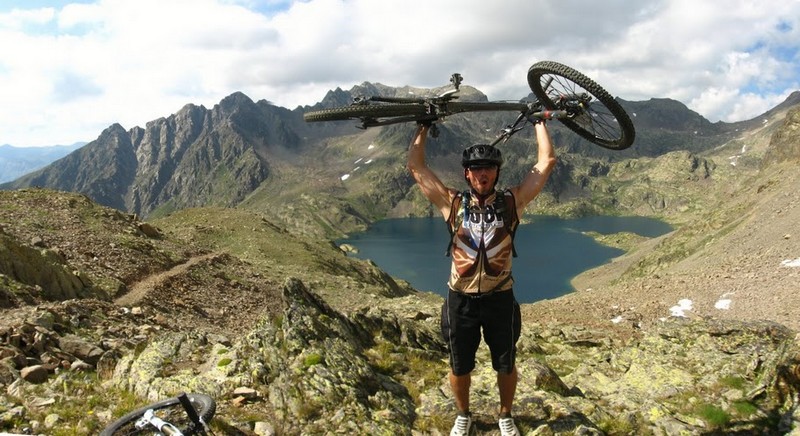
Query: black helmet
pixel 481 155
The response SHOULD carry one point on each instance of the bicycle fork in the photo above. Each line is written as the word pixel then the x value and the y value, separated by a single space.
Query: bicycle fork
pixel 150 419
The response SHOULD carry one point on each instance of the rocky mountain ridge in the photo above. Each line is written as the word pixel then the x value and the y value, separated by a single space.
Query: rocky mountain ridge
pixel 265 157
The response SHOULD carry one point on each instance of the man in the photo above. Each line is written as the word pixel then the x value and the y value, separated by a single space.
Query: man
pixel 482 222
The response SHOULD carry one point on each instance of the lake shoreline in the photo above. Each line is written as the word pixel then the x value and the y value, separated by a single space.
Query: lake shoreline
pixel 412 249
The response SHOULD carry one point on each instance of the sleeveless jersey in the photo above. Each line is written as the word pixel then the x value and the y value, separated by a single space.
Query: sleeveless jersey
pixel 482 244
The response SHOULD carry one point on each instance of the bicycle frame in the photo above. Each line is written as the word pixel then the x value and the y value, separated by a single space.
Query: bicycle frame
pixel 515 127
pixel 444 105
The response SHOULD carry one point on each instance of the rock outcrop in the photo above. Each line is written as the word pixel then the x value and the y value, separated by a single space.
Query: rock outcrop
pixel 311 369
pixel 784 145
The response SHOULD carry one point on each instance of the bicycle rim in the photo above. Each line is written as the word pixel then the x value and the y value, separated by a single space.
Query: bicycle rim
pixel 603 122
pixel 371 111
pixel 169 410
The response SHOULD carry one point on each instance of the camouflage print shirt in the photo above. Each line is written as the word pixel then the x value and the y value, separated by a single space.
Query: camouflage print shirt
pixel 482 243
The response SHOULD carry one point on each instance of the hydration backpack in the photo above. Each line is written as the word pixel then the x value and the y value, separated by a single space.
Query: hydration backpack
pixel 501 208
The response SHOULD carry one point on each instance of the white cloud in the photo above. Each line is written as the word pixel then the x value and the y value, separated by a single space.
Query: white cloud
pixel 70 70
pixel 18 19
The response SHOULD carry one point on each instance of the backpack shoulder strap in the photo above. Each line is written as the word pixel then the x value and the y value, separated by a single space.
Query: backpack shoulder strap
pixel 505 205
pixel 459 200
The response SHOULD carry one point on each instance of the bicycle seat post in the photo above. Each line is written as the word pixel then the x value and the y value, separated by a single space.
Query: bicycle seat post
pixel 456 80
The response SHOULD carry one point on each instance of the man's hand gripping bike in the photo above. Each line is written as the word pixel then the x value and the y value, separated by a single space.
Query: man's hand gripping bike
pixel 561 92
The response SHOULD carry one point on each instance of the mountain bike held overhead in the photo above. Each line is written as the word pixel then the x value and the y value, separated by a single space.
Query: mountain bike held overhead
pixel 561 93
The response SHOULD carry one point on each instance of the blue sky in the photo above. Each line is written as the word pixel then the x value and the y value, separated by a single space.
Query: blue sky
pixel 69 69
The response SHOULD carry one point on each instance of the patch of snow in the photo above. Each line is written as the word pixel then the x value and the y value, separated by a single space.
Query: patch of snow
pixel 371 146
pixel 358 160
pixel 367 162
pixel 724 302
pixel 791 263
pixel 680 310
pixel 356 169
pixel 345 177
pixel 618 319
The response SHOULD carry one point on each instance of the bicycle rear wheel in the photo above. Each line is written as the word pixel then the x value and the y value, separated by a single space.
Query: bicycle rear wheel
pixel 603 121
pixel 365 111
pixel 170 410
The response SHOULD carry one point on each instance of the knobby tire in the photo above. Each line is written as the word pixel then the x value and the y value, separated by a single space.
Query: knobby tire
pixel 385 110
pixel 604 122
pixel 366 110
pixel 169 410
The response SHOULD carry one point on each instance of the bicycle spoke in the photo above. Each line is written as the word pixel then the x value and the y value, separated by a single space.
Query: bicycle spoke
pixel 595 118
pixel 594 114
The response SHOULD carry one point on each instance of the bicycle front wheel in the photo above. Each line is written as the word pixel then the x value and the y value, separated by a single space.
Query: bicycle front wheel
pixel 602 121
pixel 366 111
pixel 170 410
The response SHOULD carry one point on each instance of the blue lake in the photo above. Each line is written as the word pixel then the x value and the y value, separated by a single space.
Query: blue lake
pixel 552 251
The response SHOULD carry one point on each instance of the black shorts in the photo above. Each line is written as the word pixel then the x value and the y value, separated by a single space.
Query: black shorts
pixel 464 316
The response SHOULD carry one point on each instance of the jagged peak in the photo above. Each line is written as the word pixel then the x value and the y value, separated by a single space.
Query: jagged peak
pixel 191 107
pixel 113 133
pixel 115 128
pixel 237 98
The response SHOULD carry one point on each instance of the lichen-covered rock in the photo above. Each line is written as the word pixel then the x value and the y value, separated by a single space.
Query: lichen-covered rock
pixel 317 376
pixel 784 146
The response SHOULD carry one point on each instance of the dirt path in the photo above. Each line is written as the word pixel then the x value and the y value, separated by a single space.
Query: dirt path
pixel 142 287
